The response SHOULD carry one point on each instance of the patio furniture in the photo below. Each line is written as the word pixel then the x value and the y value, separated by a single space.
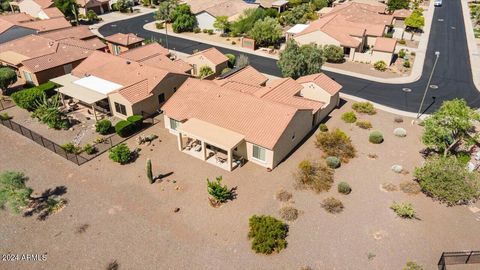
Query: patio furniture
pixel 198 148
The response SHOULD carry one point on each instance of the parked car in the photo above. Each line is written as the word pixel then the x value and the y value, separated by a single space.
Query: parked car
pixel 438 3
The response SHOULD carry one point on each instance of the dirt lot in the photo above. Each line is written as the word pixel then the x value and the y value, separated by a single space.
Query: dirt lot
pixel 133 222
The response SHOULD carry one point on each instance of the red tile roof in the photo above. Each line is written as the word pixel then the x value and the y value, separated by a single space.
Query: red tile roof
pixel 77 32
pixel 212 54
pixel 323 81
pixel 124 39
pixel 385 45
pixel 53 12
pixel 144 52
pixel 246 75
pixel 47 25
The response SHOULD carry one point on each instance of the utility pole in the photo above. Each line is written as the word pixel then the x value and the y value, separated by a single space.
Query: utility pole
pixel 437 53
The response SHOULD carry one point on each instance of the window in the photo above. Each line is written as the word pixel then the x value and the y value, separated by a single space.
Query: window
pixel 120 108
pixel 259 153
pixel 174 124
pixel 28 77
pixel 161 98
pixel 116 49
pixel 67 68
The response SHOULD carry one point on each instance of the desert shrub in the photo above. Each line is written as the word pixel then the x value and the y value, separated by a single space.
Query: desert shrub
pixel 389 187
pixel 314 176
pixel 410 187
pixel 27 99
pixel 380 65
pixel 406 64
pixel 47 111
pixel 364 124
pixel 344 188
pixel 124 128
pixel 375 137
pixel 400 132
pixel 413 266
pixel 283 195
pixel 89 149
pixel 217 191
pixel 205 31
pixel 401 53
pixel 233 42
pixel 231 59
pixel 398 119
pixel 5 117
pixel 120 154
pixel 333 53
pixel 349 117
pixel 336 143
pixel 448 180
pixel 225 70
pixel 364 107
pixel 332 205
pixel 323 127
pixel 412 53
pixel 333 162
pixel 14 194
pixel 288 213
pixel 403 210
pixel 210 31
pixel 267 234
pixel 103 127
pixel 196 30
pixel 136 120
pixel 71 148
pixel 402 42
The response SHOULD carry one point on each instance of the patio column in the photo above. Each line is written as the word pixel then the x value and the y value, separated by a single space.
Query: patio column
pixel 204 150
pixel 63 99
pixel 229 160
pixel 180 141
pixel 94 112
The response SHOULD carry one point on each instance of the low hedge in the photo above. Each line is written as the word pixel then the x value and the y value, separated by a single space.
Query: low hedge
pixel 136 120
pixel 124 128
pixel 28 98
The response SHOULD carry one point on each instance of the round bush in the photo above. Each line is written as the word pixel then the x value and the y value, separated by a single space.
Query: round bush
pixel 400 132
pixel 333 162
pixel 103 126
pixel 344 188
pixel 323 128
pixel 136 120
pixel 124 128
pixel 120 154
pixel 380 65
pixel 375 137
pixel 349 117
pixel 332 205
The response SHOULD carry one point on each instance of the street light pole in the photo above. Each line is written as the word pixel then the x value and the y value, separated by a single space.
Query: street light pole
pixel 437 53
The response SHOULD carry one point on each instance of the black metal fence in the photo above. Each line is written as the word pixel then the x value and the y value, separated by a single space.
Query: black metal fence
pixel 6 103
pixel 458 257
pixel 80 158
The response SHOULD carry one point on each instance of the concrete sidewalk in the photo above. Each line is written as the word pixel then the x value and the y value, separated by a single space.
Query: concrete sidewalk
pixel 472 45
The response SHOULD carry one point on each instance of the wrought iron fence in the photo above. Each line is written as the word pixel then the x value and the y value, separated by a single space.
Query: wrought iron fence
pixel 458 257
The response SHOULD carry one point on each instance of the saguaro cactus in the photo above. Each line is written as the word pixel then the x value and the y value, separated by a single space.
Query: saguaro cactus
pixel 149 171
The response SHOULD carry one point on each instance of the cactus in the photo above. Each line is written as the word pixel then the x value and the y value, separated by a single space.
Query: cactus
pixel 149 171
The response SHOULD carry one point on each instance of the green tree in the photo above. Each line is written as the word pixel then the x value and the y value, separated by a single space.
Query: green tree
pixel 415 21
pixel 266 32
pixel 319 4
pixel 298 14
pixel 219 192
pixel 13 191
pixel 7 77
pixel 205 71
pixel 296 61
pixel 92 16
pixel 120 154
pixel 184 23
pixel 450 125
pixel 249 18
pixel 333 53
pixel 123 5
pixel 222 24
pixel 393 5
pixel 231 59
pixel 69 8
pixel 166 10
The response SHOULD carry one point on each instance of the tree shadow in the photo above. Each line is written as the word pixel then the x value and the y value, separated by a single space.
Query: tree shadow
pixel 49 202
pixel 233 193
pixel 113 265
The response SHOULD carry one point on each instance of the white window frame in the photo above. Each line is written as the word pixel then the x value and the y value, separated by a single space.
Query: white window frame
pixel 175 123
pixel 260 149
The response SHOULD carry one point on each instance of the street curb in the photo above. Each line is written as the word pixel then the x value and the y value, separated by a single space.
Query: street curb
pixel 472 46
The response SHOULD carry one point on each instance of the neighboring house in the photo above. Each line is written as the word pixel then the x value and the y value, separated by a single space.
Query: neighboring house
pixel 206 11
pixel 98 6
pixel 279 5
pixel 245 74
pixel 122 86
pixel 211 57
pixel 399 17
pixel 37 59
pixel 227 121
pixel 384 50
pixel 119 43
pixel 353 26
pixel 40 9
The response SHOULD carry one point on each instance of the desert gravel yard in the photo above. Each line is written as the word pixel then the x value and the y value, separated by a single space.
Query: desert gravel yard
pixel 114 214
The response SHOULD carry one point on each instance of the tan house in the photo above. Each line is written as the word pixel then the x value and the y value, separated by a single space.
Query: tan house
pixel 119 85
pixel 98 6
pixel 353 26
pixel 384 50
pixel 211 57
pixel 229 122
pixel 119 43
pixel 41 9
pixel 37 59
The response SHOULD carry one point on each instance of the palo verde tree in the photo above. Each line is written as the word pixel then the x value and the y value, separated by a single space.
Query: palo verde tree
pixel 296 61
pixel 450 125
pixel 167 11
pixel 7 77
pixel 415 21
pixel 222 24
pixel 266 32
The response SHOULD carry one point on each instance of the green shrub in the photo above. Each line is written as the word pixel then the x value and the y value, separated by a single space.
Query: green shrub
pixel 333 53
pixel 448 180
pixel 349 117
pixel 336 143
pixel 27 99
pixel 323 127
pixel 332 205
pixel 401 53
pixel 196 30
pixel 124 128
pixel 364 124
pixel 314 176
pixel 403 210
pixel 375 137
pixel 406 64
pixel 225 70
pixel 463 157
pixel 103 127
pixel 205 31
pixel 210 31
pixel 267 234
pixel 380 65
pixel 159 25
pixel 5 116
pixel 344 188
pixel 413 266
pixel 231 59
pixel 71 148
pixel 364 107
pixel 136 120
pixel 89 149
pixel 219 192
pixel 333 162
pixel 402 42
pixel 120 154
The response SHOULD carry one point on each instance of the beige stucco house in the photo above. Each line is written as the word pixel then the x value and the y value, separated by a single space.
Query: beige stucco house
pixel 212 58
pixel 119 43
pixel 229 121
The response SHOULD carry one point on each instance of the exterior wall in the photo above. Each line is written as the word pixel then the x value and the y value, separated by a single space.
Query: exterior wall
pixel 365 57
pixel 321 114
pixel 317 37
pixel 31 8
pixel 45 75
pixel 384 56
pixel 371 41
pixel 205 20
pixel 313 91
pixel 269 156
pixel 198 61
pixel 116 97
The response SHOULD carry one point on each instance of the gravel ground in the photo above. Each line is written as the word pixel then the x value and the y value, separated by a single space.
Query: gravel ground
pixel 133 222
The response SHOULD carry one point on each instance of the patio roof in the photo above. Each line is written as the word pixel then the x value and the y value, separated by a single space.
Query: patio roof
pixel 211 134
pixel 77 91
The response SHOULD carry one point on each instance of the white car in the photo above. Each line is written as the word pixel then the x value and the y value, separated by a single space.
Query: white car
pixel 438 3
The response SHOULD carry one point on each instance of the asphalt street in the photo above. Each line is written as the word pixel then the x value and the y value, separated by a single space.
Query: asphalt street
pixel 452 77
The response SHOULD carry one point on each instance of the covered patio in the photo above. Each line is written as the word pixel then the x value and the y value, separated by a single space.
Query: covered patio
pixel 210 143
pixel 91 91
